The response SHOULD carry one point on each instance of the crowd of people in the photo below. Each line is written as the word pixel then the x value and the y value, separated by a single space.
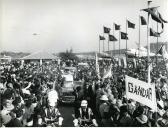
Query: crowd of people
pixel 30 95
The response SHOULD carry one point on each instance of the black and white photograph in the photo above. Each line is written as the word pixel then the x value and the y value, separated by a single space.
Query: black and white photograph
pixel 83 63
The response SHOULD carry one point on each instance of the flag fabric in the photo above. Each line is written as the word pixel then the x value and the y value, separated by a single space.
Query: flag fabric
pixel 117 27
pixel 125 62
pixel 124 36
pixel 160 16
pixel 152 12
pixel 134 61
pixel 101 37
pixel 119 62
pixel 156 16
pixel 162 51
pixel 153 33
pixel 107 30
pixel 112 38
pixel 143 21
pixel 108 73
pixel 130 25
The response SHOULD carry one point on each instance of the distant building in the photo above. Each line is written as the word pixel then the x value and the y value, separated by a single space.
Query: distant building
pixel 117 52
pixel 5 58
pixel 153 49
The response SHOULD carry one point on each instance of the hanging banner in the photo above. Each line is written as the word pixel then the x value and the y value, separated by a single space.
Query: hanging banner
pixel 141 92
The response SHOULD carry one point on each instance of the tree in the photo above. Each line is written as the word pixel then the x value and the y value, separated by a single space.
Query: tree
pixel 68 55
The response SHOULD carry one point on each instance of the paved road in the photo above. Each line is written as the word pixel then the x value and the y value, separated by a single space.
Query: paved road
pixel 67 110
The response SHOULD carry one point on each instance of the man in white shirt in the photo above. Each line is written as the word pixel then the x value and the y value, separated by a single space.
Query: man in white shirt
pixel 52 94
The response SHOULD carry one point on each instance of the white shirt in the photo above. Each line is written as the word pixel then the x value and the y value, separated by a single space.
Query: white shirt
pixel 52 96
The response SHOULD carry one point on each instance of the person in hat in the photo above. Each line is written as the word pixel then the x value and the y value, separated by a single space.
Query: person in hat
pixel 52 115
pixel 138 111
pixel 113 111
pixel 124 119
pixel 163 121
pixel 141 121
pixel 17 118
pixel 84 115
pixel 28 113
pixel 104 109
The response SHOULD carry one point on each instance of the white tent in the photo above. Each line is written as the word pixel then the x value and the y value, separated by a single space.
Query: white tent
pixel 40 56
pixel 141 52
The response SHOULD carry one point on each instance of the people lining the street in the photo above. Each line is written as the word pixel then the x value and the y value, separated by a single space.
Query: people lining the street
pixel 30 95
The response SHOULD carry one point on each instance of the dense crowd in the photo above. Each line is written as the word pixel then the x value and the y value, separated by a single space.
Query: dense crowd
pixel 30 93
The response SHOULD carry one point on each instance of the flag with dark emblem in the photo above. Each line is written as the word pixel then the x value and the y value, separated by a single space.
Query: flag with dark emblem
pixel 106 30
pixel 112 38
pixel 130 24
pixel 117 27
pixel 156 16
pixel 143 21
pixel 124 36
pixel 153 33
pixel 101 37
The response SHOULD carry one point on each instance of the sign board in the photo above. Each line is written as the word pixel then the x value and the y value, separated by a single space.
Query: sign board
pixel 141 92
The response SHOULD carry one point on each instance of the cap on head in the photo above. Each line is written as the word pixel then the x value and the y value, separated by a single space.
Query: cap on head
pixel 84 103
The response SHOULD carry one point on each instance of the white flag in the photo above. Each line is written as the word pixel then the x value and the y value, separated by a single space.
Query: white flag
pixel 164 53
pixel 134 63
pixel 108 73
pixel 119 62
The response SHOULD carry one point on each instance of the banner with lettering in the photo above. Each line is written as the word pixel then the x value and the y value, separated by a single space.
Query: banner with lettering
pixel 141 92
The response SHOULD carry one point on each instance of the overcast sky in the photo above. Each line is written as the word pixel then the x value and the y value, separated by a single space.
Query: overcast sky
pixel 57 25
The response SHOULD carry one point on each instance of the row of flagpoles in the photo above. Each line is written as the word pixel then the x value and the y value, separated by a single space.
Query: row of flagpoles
pixel 155 15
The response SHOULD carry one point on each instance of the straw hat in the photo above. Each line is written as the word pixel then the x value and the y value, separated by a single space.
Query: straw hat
pixel 104 98
pixel 142 119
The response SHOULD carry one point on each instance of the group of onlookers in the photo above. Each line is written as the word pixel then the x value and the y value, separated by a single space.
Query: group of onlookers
pixel 28 95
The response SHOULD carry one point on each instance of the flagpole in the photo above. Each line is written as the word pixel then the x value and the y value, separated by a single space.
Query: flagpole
pixel 119 41
pixel 157 45
pixel 108 42
pixel 103 41
pixel 139 36
pixel 126 39
pixel 113 41
pixel 148 43
pixel 99 44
